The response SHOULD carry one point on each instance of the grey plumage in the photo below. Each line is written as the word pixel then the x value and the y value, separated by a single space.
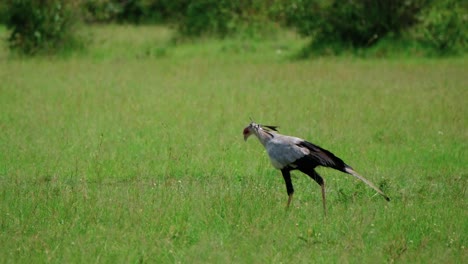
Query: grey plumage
pixel 288 153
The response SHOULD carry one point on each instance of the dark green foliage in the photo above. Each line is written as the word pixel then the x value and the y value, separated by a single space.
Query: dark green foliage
pixel 41 26
pixel 192 18
pixel 3 12
pixel 151 11
pixel 133 11
pixel 444 27
pixel 355 23
pixel 101 10
pixel 202 16
pixel 224 17
pixel 333 26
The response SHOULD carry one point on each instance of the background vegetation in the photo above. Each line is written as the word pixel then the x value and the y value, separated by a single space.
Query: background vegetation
pixel 44 26
pixel 431 26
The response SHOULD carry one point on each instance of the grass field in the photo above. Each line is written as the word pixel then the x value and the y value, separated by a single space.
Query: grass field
pixel 132 151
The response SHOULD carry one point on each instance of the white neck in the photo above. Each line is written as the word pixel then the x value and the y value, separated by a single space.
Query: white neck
pixel 263 136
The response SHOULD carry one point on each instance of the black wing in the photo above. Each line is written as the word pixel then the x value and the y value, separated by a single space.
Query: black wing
pixel 322 157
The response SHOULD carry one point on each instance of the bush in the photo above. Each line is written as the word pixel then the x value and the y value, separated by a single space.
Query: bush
pixel 223 18
pixel 101 10
pixel 151 11
pixel 444 27
pixel 133 11
pixel 207 16
pixel 41 26
pixel 3 13
pixel 359 23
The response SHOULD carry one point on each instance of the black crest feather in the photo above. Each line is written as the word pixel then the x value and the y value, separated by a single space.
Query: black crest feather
pixel 274 128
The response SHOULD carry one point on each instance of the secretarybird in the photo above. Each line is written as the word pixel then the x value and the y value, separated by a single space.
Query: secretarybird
pixel 289 153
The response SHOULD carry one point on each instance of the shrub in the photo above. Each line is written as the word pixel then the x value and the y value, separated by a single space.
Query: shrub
pixel 151 11
pixel 3 13
pixel 41 26
pixel 101 10
pixel 207 16
pixel 359 23
pixel 133 11
pixel 444 27
pixel 223 17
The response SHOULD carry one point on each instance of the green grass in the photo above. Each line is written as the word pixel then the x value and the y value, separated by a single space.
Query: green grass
pixel 132 152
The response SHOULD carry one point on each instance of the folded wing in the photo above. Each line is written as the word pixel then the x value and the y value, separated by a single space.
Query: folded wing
pixel 322 157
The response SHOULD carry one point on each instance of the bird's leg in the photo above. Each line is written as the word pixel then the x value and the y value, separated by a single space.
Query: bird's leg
pixel 289 186
pixel 290 196
pixel 323 198
pixel 317 178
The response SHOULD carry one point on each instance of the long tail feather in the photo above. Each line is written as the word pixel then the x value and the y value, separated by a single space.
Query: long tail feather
pixel 355 174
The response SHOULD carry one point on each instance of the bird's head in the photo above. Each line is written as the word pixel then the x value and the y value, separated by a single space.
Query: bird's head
pixel 249 130
pixel 254 128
